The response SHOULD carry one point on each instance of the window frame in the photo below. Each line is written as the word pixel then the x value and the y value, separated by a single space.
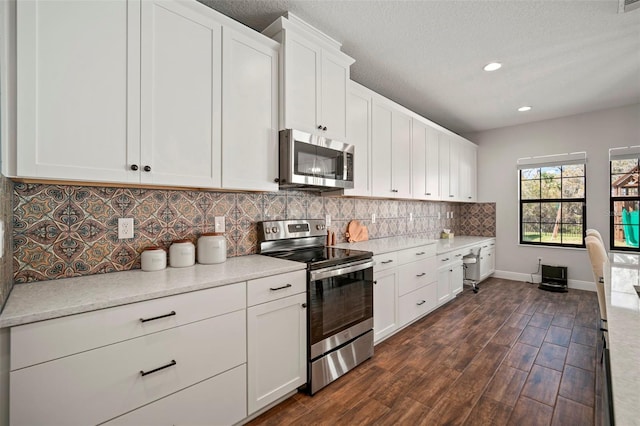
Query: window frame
pixel 540 201
pixel 612 216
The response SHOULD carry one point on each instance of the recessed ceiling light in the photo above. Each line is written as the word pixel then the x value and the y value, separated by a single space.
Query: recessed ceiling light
pixel 493 66
pixel 524 108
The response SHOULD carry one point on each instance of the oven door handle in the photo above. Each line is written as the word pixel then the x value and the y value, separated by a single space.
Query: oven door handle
pixel 340 270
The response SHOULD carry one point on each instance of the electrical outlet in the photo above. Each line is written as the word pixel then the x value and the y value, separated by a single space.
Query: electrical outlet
pixel 539 259
pixel 451 214
pixel 410 217
pixel 125 228
pixel 219 224
pixel 373 218
pixel 438 215
pixel 327 220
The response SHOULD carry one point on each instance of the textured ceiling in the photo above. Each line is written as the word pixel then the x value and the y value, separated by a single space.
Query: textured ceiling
pixel 560 57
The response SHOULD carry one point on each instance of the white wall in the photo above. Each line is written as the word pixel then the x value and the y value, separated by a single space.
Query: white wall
pixel 499 149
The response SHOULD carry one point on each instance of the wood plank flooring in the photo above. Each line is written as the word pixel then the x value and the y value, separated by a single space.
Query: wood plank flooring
pixel 509 355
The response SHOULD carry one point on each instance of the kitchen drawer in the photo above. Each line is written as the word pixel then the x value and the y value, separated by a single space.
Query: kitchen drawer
pixel 417 303
pixel 416 253
pixel 98 385
pixel 276 287
pixel 46 340
pixel 220 400
pixel 417 274
pixel 385 261
pixel 452 256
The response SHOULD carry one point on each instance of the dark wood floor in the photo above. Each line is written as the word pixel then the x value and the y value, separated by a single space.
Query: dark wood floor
pixel 510 355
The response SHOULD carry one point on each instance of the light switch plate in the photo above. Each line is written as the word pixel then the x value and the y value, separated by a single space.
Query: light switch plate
pixel 373 218
pixel 327 220
pixel 410 217
pixel 219 224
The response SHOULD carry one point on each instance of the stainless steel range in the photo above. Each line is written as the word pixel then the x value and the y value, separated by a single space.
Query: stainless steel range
pixel 339 296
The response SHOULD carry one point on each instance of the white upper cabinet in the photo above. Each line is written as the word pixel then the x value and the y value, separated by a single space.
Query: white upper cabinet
pixel 390 150
pixel 359 135
pixel 181 93
pixel 425 162
pixel 315 75
pixel 77 91
pixel 468 171
pixel 449 166
pixel 249 112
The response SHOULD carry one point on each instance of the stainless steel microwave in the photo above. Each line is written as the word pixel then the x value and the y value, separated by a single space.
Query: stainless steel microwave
pixel 314 162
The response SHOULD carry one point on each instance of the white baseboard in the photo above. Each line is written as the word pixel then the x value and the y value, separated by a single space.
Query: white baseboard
pixel 519 276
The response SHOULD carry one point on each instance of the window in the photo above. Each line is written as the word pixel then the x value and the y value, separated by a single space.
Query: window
pixel 624 198
pixel 553 200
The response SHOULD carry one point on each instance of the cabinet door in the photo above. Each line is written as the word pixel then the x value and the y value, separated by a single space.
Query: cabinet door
pixel 333 96
pixel 385 308
pixel 444 167
pixel 78 89
pixel 454 169
pixel 181 94
pixel 301 65
pixel 419 160
pixel 359 134
pixel 381 150
pixel 432 173
pixel 444 283
pixel 401 154
pixel 276 349
pixel 457 278
pixel 249 113
pixel 467 172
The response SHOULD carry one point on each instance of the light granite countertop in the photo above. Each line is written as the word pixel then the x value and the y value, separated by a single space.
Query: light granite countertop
pixel 386 245
pixel 623 324
pixel 51 299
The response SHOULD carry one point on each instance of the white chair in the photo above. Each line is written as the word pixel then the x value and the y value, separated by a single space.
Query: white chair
pixel 595 233
pixel 599 260
pixel 471 265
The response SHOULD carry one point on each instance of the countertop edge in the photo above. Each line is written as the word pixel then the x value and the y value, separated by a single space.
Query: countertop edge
pixel 14 320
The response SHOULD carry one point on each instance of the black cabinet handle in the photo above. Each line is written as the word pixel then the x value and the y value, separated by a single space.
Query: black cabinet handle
pixel 134 167
pixel 450 270
pixel 324 128
pixel 427 193
pixel 171 364
pixel 458 255
pixel 445 259
pixel 280 288
pixel 421 302
pixel 319 126
pixel 384 262
pixel 375 282
pixel 450 195
pixel 469 197
pixel 147 168
pixel 158 317
pixel 394 190
pixel 420 253
pixel 304 305
pixel 421 275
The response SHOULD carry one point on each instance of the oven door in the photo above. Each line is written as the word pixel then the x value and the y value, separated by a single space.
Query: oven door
pixel 316 161
pixel 341 305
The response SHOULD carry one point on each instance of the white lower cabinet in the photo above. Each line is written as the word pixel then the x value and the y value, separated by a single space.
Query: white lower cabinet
pixel 450 277
pixel 276 350
pixel 417 303
pixel 97 385
pixel 219 400
pixel 385 306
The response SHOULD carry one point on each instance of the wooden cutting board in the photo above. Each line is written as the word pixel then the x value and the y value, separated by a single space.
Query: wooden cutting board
pixel 356 232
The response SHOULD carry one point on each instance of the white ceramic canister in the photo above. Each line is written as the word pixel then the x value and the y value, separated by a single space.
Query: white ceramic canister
pixel 212 248
pixel 153 259
pixel 182 253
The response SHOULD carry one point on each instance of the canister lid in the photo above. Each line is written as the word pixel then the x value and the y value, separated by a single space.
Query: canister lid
pixel 212 234
pixel 150 248
pixel 181 241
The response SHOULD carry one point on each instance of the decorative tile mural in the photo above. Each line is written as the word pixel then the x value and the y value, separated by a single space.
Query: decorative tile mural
pixel 6 214
pixel 65 231
pixel 477 219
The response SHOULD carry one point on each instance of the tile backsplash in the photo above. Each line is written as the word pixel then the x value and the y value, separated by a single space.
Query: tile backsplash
pixel 65 231
pixel 6 265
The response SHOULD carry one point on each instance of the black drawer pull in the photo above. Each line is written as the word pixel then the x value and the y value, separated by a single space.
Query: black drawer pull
pixel 421 275
pixel 384 262
pixel 158 317
pixel 458 255
pixel 421 302
pixel 420 253
pixel 280 288
pixel 445 259
pixel 171 364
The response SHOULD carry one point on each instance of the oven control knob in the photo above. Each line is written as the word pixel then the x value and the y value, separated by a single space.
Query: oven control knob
pixel 267 230
pixel 274 230
pixel 319 227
